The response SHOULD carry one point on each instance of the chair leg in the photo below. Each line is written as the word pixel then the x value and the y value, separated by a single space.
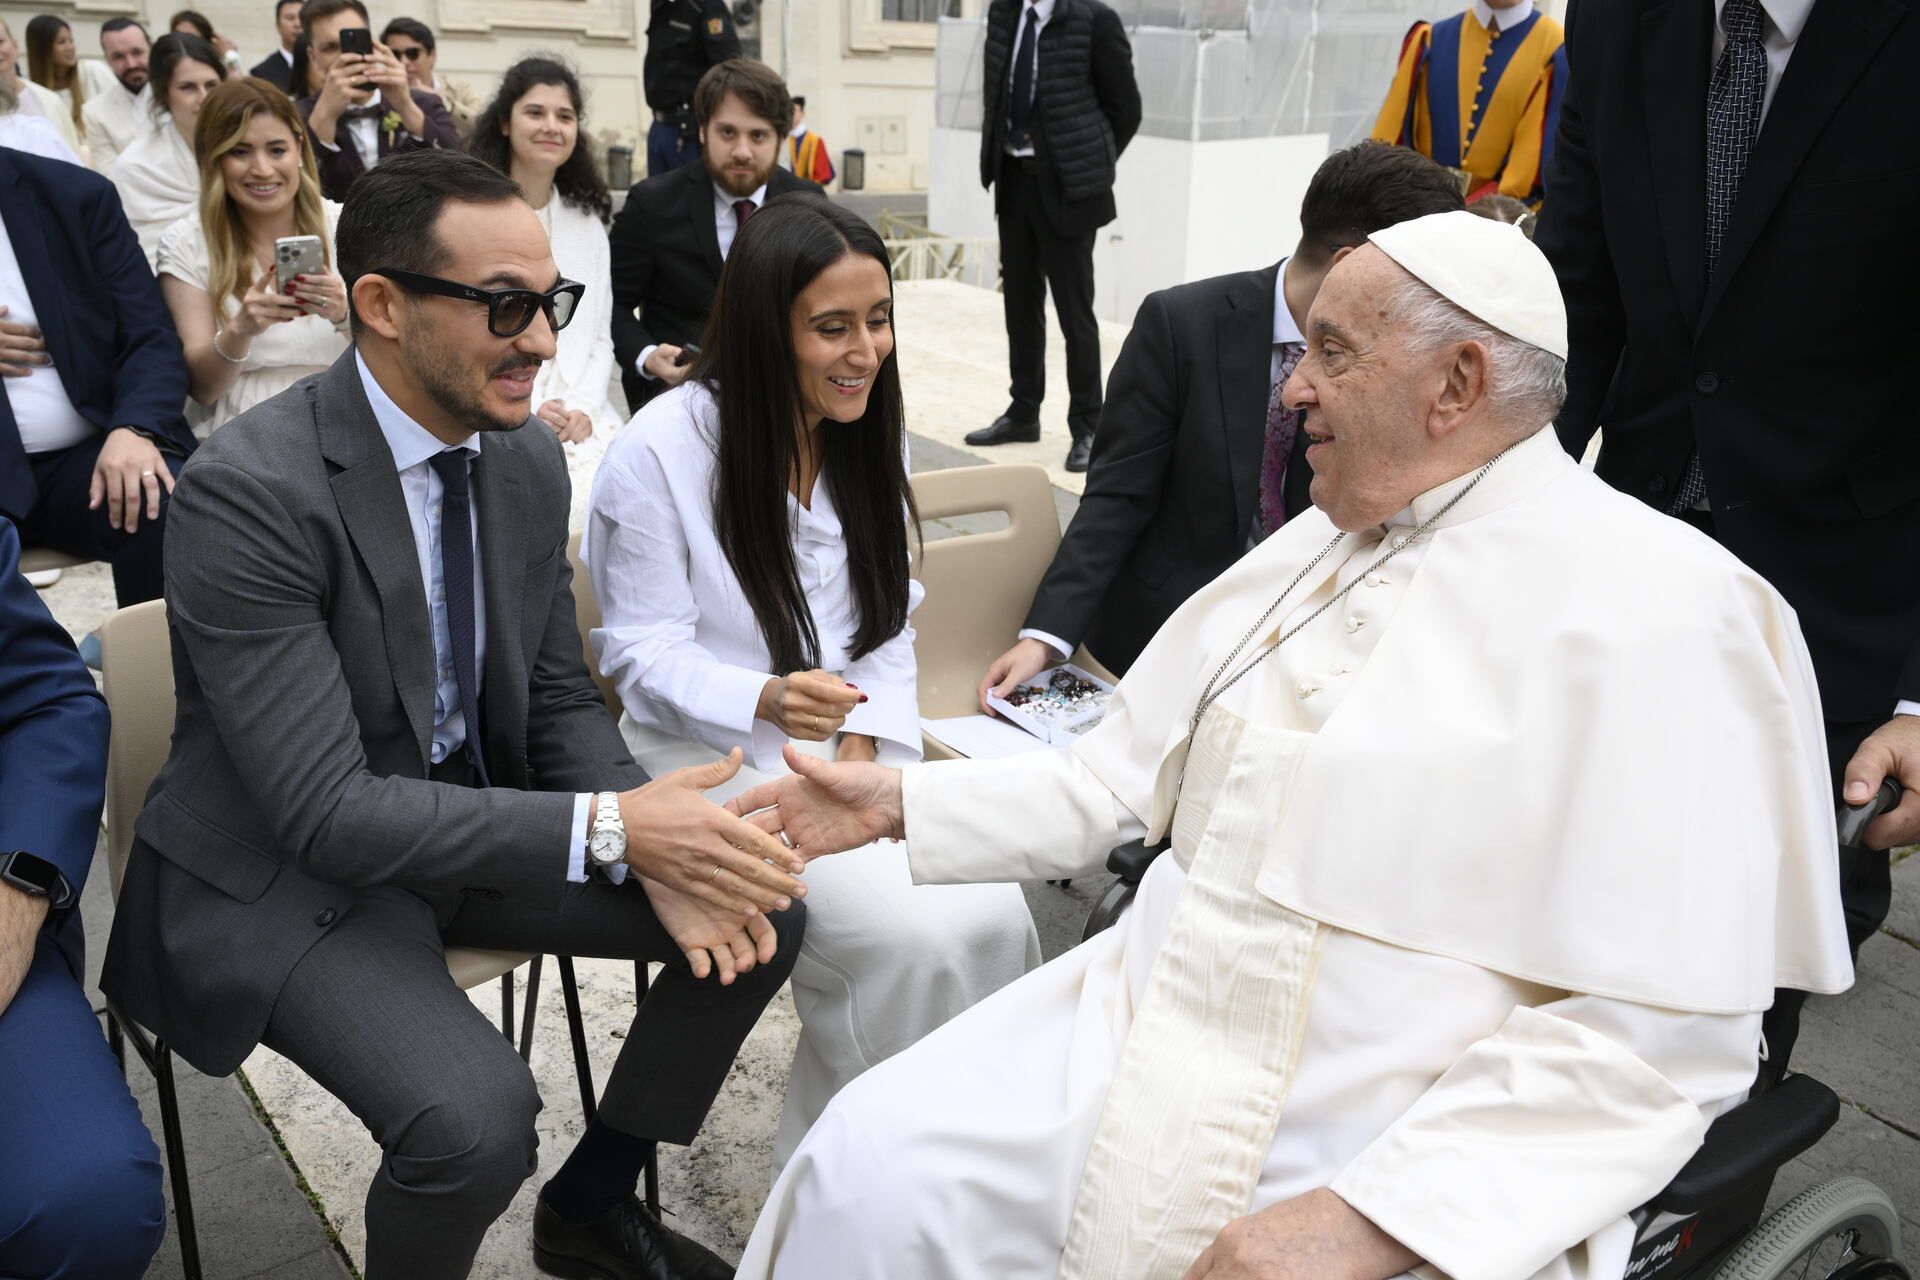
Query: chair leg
pixel 532 1003
pixel 653 1160
pixel 582 1064
pixel 506 1005
pixel 117 1041
pixel 176 1160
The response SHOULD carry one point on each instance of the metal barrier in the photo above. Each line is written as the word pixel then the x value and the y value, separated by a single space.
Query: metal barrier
pixel 973 260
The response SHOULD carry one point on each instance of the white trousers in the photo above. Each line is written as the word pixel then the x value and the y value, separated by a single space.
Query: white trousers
pixel 883 961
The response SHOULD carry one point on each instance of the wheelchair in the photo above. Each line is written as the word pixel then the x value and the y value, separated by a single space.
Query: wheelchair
pixel 1710 1223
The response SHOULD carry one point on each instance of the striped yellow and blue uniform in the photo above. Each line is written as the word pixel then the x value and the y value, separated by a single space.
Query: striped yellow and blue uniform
pixel 1484 102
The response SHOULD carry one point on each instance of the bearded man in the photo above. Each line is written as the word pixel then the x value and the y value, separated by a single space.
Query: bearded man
pixel 1498 811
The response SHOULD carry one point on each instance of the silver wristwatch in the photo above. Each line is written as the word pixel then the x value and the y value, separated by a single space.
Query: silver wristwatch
pixel 608 843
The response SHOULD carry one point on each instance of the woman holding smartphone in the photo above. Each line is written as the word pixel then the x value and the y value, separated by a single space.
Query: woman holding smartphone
pixel 156 176
pixel 245 338
pixel 747 542
pixel 531 132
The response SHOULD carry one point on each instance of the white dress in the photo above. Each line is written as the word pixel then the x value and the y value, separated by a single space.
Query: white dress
pixel 1420 822
pixel 278 358
pixel 159 184
pixel 882 961
pixel 581 371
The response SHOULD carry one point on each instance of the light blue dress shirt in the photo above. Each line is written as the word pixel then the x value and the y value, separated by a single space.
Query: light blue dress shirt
pixel 413 448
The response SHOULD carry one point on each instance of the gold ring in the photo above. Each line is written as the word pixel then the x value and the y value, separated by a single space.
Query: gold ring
pixel 715 875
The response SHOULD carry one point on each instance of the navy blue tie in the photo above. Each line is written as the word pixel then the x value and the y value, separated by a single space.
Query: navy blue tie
pixel 1020 109
pixel 456 576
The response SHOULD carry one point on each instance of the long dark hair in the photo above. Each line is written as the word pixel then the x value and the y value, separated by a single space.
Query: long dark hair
pixel 748 364
pixel 168 52
pixel 576 181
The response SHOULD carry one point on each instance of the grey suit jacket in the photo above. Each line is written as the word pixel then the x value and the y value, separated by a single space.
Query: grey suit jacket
pixel 304 673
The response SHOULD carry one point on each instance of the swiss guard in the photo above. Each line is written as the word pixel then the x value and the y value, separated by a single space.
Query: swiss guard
pixel 1480 93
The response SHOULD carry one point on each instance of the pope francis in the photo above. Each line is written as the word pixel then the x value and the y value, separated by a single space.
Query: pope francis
pixel 1498 808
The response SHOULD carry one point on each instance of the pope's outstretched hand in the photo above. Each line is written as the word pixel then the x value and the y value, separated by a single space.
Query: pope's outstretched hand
pixel 823 807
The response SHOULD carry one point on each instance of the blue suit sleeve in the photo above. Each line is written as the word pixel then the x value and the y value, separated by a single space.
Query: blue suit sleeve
pixel 53 730
pixel 149 371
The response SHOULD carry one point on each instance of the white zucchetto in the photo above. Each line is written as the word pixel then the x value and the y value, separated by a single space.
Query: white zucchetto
pixel 1488 269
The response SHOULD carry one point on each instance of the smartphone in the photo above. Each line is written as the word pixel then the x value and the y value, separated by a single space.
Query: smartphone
pixel 356 40
pixel 688 354
pixel 297 255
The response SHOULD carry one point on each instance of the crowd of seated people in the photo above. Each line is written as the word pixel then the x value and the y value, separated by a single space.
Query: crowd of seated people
pixel 367 469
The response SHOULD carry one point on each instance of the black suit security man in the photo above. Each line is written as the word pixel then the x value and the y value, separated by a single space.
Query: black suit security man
pixel 684 38
pixel 1061 105
pixel 1750 362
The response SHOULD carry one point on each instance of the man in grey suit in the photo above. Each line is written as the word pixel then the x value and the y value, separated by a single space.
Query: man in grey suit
pixel 387 742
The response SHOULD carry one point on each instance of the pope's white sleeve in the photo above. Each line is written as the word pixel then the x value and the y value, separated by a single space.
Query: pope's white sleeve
pixel 1549 1131
pixel 1042 816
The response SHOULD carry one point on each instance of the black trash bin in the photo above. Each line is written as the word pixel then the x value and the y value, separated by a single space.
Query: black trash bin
pixel 853 169
pixel 619 168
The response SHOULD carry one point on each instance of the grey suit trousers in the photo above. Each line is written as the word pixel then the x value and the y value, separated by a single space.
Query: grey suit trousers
pixel 372 1015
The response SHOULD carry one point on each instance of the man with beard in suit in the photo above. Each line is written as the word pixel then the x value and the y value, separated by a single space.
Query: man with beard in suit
pixel 671 238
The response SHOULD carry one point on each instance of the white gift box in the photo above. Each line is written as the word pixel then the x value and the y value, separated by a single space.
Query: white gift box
pixel 1057 726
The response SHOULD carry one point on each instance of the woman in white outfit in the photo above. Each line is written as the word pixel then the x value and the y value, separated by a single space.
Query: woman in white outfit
pixel 157 178
pixel 531 132
pixel 747 542
pixel 34 100
pixel 243 338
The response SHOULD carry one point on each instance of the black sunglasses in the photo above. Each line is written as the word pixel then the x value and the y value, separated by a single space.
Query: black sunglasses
pixel 412 53
pixel 509 311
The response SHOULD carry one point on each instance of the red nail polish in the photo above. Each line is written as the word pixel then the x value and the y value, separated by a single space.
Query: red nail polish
pixel 863 697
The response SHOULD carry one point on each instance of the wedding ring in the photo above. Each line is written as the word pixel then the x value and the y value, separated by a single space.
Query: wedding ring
pixel 786 840
pixel 146 475
pixel 715 875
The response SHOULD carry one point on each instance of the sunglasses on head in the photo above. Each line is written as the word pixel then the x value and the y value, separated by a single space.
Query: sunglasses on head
pixel 509 311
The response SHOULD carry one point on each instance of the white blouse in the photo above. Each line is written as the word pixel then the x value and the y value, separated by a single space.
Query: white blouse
pixel 581 371
pixel 276 359
pixel 677 635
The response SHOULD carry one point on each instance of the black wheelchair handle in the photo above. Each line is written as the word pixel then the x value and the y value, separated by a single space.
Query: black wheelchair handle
pixel 1855 818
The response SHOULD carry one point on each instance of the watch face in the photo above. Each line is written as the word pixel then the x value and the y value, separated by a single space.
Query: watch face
pixel 35 872
pixel 608 847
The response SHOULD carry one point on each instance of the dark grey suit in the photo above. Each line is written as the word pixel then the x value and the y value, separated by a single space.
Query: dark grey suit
pixel 297 871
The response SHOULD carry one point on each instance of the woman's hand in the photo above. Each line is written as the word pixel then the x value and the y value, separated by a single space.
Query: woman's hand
pixel 712 940
pixel 320 293
pixel 859 747
pixel 809 705
pixel 261 309
pixel 571 425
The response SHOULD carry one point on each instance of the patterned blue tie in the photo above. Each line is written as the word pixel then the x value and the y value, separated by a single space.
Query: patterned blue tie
pixel 1735 99
pixel 456 574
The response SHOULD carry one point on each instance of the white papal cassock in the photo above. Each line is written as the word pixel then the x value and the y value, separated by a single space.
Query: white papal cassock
pixel 1479 886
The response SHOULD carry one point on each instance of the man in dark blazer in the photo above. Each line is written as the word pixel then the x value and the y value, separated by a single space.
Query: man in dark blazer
pixel 91 430
pixel 76 1148
pixel 365 110
pixel 1174 495
pixel 1061 105
pixel 277 67
pixel 387 742
pixel 1698 292
pixel 672 236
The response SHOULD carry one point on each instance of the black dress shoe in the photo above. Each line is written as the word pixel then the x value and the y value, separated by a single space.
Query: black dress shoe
pixel 625 1243
pixel 1080 453
pixel 1006 431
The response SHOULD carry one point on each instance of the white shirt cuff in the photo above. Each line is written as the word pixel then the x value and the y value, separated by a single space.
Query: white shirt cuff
pixel 1906 707
pixel 640 362
pixel 1061 649
pixel 577 849
pixel 331 146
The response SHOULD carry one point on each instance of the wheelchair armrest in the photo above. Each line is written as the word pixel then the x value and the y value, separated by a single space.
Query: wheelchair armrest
pixel 1130 860
pixel 1750 1142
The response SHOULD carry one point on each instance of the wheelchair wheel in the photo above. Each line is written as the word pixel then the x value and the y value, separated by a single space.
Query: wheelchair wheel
pixel 1846 1227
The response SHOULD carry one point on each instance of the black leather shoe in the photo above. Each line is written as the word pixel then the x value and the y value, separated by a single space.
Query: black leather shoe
pixel 1080 454
pixel 1006 431
pixel 626 1243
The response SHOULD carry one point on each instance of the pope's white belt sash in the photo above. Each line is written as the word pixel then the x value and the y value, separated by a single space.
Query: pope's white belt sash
pixel 1196 1097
